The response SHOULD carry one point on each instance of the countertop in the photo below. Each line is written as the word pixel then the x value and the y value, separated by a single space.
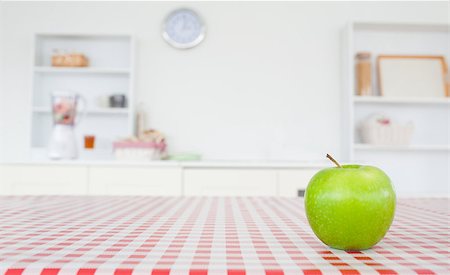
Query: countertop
pixel 200 235
pixel 181 164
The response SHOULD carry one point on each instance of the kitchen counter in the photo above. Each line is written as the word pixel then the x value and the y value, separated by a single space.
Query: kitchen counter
pixel 181 164
pixel 199 235
pixel 191 178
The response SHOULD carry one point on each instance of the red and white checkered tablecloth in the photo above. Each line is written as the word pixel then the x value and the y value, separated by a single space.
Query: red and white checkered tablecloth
pixel 161 235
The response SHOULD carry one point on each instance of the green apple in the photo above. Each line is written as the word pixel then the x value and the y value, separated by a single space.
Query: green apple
pixel 350 207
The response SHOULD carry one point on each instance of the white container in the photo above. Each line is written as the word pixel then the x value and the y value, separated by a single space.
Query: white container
pixel 379 130
pixel 139 150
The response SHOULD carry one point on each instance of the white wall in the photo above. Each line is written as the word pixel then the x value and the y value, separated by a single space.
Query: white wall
pixel 2 114
pixel 265 83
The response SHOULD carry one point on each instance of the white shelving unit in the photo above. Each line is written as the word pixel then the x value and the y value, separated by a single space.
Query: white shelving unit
pixel 110 71
pixel 423 165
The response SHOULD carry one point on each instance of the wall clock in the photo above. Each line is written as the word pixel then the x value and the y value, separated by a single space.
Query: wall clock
pixel 183 29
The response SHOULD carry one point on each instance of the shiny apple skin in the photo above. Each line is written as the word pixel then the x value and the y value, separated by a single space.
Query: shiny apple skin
pixel 350 208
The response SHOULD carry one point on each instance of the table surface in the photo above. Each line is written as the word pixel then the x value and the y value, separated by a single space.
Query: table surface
pixel 162 235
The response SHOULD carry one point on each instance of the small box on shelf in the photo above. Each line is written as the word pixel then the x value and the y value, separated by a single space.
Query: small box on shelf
pixel 69 60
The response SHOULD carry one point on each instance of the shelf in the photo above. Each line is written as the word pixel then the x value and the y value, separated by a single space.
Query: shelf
pixel 397 100
pixel 371 147
pixel 84 70
pixel 400 27
pixel 96 36
pixel 93 111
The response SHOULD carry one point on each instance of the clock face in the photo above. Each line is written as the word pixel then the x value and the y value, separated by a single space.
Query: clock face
pixel 183 29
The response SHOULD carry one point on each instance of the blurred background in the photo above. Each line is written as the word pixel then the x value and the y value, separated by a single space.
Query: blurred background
pixel 221 98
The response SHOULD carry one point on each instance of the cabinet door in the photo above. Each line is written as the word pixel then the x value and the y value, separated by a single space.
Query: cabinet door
pixel 293 182
pixel 4 186
pixel 154 181
pixel 43 180
pixel 230 182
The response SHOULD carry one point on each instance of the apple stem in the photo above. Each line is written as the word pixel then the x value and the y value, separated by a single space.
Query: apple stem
pixel 334 161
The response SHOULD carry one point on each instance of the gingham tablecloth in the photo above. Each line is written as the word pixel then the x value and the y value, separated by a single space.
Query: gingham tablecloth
pixel 157 235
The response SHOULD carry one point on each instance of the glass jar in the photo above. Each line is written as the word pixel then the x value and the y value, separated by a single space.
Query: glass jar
pixel 363 74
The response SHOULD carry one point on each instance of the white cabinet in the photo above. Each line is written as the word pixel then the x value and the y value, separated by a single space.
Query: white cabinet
pixel 151 180
pixel 43 180
pixel 154 181
pixel 291 181
pixel 230 182
pixel 4 187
